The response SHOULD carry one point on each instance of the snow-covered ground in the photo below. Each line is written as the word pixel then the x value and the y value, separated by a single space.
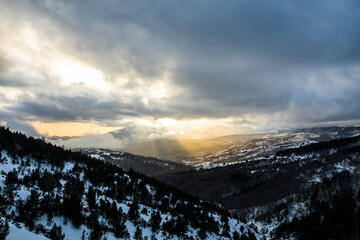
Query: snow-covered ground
pixel 21 233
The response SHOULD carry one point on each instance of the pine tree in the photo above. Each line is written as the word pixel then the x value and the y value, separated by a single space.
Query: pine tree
pixel 133 213
pixel 4 228
pixel 155 221
pixel 236 236
pixel 202 233
pixel 90 197
pixel 56 233
pixel 225 233
pixel 95 234
pixel 120 230
pixel 251 236
pixel 138 233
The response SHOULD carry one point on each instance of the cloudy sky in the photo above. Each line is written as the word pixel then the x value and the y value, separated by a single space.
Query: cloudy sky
pixel 80 67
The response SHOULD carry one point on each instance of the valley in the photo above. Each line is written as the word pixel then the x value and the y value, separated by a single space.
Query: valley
pixel 221 151
pixel 276 185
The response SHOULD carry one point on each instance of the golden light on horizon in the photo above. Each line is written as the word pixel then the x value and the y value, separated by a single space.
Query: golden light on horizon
pixel 193 129
pixel 71 129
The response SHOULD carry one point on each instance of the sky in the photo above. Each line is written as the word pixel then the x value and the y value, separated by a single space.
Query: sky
pixel 192 68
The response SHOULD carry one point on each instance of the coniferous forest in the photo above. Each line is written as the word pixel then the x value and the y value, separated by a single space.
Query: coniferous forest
pixel 44 187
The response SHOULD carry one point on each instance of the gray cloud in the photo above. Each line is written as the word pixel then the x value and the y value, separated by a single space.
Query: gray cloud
pixel 89 107
pixel 23 127
pixel 300 60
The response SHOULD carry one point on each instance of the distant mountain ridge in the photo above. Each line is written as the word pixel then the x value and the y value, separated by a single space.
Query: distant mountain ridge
pixel 138 133
pixel 205 153
pixel 146 165
pixel 235 148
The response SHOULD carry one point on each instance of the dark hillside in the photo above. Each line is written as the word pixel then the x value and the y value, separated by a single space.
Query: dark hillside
pixel 274 190
pixel 338 144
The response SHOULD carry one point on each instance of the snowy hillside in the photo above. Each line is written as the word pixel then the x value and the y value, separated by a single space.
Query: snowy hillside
pixel 221 151
pixel 146 165
pixel 296 193
pixel 59 194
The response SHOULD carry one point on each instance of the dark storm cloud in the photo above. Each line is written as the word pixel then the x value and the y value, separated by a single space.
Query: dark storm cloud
pixel 300 32
pixel 314 109
pixel 50 111
pixel 230 58
pixel 80 108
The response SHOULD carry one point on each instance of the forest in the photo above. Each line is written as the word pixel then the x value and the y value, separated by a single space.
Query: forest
pixel 43 182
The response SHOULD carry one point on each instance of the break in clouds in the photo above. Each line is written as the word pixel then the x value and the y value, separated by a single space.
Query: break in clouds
pixel 258 63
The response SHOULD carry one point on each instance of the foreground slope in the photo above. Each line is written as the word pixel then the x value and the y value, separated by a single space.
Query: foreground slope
pixel 60 194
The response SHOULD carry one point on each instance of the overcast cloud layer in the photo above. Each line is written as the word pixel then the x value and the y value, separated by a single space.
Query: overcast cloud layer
pixel 275 63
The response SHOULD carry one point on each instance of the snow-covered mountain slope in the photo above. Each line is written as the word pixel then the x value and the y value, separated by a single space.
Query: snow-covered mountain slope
pixel 146 165
pixel 60 194
pixel 202 153
pixel 276 192
pixel 207 153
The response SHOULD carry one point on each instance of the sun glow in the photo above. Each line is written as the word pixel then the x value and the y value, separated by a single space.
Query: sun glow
pixel 159 91
pixel 193 129
pixel 75 72
pixel 167 122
